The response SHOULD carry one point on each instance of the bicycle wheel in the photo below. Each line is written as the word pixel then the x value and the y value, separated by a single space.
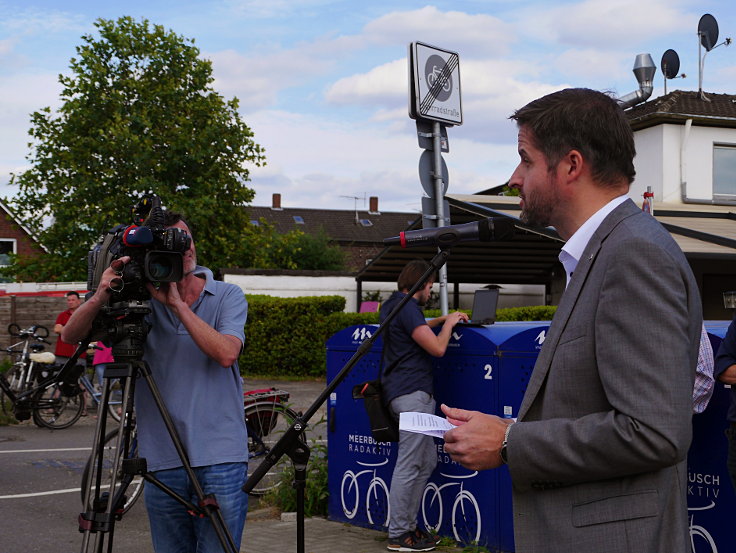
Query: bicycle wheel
pixel 115 405
pixel 135 488
pixel 53 409
pixel 266 422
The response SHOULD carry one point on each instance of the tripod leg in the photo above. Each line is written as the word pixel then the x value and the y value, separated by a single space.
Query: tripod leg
pixel 102 509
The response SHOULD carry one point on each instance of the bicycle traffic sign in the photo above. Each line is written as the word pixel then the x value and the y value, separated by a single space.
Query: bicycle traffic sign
pixel 434 83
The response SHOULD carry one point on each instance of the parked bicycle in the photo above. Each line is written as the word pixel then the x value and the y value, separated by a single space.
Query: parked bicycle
pixel 53 398
pixel 29 361
pixel 266 417
pixel 115 403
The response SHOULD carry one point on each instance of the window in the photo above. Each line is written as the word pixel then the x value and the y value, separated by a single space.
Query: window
pixel 255 222
pixel 366 222
pixel 7 246
pixel 298 219
pixel 724 172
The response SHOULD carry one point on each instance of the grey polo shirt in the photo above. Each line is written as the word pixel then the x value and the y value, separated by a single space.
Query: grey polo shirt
pixel 204 399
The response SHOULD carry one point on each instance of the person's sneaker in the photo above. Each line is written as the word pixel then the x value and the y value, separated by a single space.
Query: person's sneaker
pixel 409 542
pixel 423 535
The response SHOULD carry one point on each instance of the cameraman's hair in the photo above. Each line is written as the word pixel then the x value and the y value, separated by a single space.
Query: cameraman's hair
pixel 173 217
pixel 72 293
pixel 585 120
pixel 411 273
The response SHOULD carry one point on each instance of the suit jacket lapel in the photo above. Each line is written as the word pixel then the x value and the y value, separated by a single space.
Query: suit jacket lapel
pixel 569 300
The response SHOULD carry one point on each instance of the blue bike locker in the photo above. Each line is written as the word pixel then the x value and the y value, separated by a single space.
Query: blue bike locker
pixel 487 369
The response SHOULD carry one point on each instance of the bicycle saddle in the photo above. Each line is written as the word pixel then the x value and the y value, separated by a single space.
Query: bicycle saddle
pixel 44 357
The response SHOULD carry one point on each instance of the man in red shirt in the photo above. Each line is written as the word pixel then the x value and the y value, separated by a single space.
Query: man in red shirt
pixel 64 350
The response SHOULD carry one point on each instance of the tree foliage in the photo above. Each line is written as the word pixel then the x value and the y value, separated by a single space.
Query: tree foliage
pixel 295 250
pixel 138 115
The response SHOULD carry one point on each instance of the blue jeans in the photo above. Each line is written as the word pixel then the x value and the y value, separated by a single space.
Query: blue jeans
pixel 174 530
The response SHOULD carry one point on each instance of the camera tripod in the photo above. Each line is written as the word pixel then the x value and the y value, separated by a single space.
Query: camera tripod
pixel 292 443
pixel 124 325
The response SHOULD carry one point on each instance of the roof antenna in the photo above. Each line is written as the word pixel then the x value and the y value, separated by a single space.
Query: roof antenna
pixel 355 204
pixel 707 38
pixel 670 65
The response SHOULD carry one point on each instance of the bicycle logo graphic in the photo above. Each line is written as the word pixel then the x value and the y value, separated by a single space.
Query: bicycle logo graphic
pixel 376 498
pixel 433 73
pixel 701 532
pixel 465 510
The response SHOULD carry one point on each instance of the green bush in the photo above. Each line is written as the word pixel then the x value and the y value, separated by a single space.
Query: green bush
pixel 287 336
pixel 283 496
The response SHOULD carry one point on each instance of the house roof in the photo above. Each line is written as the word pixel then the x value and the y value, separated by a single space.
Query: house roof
pixel 343 226
pixel 680 105
pixel 18 222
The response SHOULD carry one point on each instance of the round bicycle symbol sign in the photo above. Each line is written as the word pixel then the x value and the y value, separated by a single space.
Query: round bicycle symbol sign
pixel 433 73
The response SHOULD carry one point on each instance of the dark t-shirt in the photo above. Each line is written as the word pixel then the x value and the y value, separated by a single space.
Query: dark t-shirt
pixel 407 367
pixel 725 357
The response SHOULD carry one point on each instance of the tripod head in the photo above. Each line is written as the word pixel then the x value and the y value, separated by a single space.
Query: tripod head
pixel 122 325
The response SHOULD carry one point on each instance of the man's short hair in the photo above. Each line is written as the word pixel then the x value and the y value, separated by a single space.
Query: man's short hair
pixel 411 273
pixel 585 120
pixel 173 217
pixel 72 293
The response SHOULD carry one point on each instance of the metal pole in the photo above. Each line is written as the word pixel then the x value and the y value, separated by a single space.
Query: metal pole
pixel 439 199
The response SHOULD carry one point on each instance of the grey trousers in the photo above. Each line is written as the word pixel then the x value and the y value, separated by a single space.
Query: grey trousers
pixel 414 465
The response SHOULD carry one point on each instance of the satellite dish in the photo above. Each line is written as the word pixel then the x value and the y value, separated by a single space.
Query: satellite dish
pixel 670 64
pixel 708 31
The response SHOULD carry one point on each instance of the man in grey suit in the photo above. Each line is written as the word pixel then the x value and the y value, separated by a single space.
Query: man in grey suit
pixel 597 456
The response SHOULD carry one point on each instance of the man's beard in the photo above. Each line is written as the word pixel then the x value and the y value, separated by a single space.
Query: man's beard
pixel 539 206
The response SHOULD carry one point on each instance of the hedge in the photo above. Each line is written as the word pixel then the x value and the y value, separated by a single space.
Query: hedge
pixel 286 336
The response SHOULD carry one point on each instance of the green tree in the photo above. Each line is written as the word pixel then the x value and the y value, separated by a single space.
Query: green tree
pixel 138 115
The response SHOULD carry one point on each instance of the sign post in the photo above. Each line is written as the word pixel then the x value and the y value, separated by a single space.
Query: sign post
pixel 435 102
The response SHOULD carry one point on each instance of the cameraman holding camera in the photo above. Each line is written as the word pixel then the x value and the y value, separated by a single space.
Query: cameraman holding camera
pixel 197 333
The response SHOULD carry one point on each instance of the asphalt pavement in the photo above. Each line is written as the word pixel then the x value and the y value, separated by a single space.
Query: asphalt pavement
pixel 40 495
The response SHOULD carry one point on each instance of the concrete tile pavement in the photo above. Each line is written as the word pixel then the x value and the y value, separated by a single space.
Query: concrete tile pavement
pixel 265 532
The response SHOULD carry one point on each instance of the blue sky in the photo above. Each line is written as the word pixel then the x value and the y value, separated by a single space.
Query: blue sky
pixel 324 85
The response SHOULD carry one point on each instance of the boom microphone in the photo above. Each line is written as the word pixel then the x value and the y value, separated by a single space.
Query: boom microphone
pixel 485 230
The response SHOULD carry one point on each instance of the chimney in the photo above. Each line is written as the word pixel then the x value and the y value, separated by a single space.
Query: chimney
pixel 276 202
pixel 373 205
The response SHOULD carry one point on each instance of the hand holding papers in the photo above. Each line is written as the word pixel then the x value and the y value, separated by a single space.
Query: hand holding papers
pixel 424 423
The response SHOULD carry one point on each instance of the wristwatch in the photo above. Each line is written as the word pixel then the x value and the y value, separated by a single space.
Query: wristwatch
pixel 503 452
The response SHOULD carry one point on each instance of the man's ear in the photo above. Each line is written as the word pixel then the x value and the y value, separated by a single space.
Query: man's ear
pixel 575 164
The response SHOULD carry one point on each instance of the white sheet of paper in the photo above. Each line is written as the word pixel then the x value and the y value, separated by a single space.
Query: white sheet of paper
pixel 424 423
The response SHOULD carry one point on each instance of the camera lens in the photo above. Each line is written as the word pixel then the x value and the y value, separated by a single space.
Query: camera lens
pixel 159 269
pixel 163 266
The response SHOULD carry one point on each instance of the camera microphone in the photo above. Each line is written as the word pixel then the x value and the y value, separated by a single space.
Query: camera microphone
pixel 135 236
pixel 485 230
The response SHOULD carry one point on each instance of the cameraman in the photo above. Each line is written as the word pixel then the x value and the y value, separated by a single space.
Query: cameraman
pixel 197 333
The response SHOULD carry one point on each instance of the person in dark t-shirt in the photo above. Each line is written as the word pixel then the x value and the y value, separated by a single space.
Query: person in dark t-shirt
pixel 407 381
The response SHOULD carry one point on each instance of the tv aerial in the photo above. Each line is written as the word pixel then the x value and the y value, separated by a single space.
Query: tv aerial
pixel 708 39
pixel 355 201
pixel 670 65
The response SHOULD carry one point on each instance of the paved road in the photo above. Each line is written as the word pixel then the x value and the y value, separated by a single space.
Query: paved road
pixel 40 480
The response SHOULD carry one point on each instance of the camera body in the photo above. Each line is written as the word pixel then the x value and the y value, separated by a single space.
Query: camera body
pixel 156 253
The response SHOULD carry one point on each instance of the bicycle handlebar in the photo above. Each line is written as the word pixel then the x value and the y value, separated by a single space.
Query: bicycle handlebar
pixel 37 332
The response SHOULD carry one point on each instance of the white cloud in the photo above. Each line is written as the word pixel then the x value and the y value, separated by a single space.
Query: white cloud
pixel 379 86
pixel 612 24
pixel 35 21
pixel 471 34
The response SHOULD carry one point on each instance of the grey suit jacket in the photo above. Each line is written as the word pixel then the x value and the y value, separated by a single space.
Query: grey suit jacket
pixel 597 459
